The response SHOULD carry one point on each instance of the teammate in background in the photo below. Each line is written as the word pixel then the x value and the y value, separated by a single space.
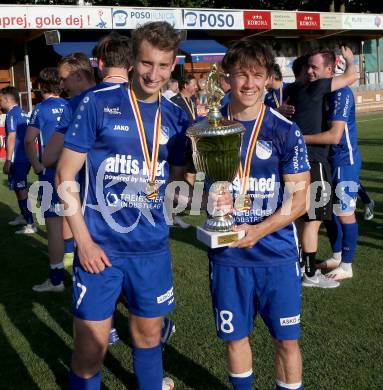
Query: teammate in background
pixel 260 272
pixel 44 120
pixel 307 96
pixel 275 87
pixel 125 123
pixel 186 97
pixel 171 89
pixel 345 160
pixel 76 75
pixel 17 165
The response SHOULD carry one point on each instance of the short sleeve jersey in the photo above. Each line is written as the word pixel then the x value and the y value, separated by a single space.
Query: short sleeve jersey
pixel 342 108
pixel 45 117
pixel 308 100
pixel 274 98
pixel 279 150
pixel 16 121
pixel 117 213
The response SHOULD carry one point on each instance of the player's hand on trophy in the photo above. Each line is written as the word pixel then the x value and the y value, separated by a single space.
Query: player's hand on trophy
pixel 253 235
pixel 93 258
pixel 287 109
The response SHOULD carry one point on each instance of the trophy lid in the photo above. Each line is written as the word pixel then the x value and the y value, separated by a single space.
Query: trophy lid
pixel 206 129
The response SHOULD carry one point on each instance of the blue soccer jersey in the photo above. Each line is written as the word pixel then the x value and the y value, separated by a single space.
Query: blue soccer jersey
pixel 342 108
pixel 274 97
pixel 117 213
pixel 45 117
pixel 16 121
pixel 279 150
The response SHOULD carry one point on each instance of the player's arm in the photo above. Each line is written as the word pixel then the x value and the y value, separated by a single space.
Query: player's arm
pixel 329 137
pixel 53 150
pixel 350 75
pixel 292 208
pixel 10 147
pixel 30 148
pixel 91 256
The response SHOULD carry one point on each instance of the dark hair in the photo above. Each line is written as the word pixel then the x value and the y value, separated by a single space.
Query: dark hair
pixel 277 72
pixel 77 62
pixel 49 81
pixel 11 91
pixel 248 52
pixel 185 80
pixel 298 64
pixel 329 57
pixel 161 35
pixel 114 50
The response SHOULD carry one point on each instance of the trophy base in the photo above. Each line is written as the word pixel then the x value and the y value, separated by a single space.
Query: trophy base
pixel 218 239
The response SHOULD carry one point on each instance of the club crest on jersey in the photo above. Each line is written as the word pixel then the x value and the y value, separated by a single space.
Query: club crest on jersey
pixel 164 135
pixel 264 149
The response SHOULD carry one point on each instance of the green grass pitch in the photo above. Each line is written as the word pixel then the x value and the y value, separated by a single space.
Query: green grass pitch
pixel 342 329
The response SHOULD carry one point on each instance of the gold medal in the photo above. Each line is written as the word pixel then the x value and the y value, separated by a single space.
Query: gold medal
pixel 151 190
pixel 242 203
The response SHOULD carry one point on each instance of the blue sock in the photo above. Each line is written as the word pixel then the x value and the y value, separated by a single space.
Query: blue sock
pixel 286 386
pixel 69 245
pixel 23 205
pixel 57 273
pixel 77 383
pixel 350 241
pixel 334 232
pixel 147 365
pixel 242 383
pixel 363 195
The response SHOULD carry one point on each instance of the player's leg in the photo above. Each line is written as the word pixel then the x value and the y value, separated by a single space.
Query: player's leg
pixel 148 290
pixel 367 201
pixel 347 192
pixel 94 297
pixel 90 346
pixel 68 244
pixel 320 209
pixel 288 365
pixel 335 235
pixel 232 291
pixel 55 281
pixel 279 294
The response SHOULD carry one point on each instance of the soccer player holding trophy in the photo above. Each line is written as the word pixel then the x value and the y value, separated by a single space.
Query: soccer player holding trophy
pixel 259 272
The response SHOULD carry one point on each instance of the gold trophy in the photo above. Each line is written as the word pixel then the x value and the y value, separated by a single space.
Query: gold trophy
pixel 216 144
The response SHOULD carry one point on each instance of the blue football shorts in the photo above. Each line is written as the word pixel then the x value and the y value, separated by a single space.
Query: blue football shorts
pixel 17 177
pixel 346 184
pixel 239 293
pixel 145 281
pixel 51 205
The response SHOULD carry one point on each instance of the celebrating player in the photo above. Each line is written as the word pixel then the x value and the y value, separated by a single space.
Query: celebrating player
pixel 132 141
pixel 260 272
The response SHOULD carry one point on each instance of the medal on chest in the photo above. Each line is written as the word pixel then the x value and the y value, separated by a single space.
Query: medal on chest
pixel 243 201
pixel 152 188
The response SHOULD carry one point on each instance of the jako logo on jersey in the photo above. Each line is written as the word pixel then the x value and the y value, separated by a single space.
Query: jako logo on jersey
pixel 112 110
pixel 57 110
pixel 289 321
pixel 121 127
pixel 164 297
pixel 264 149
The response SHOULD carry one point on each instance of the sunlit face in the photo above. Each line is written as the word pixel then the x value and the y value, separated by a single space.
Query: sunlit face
pixel 69 80
pixel 152 70
pixel 316 68
pixel 248 84
pixel 174 87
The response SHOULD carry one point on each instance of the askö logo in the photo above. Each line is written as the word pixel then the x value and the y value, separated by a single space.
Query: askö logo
pixel 208 19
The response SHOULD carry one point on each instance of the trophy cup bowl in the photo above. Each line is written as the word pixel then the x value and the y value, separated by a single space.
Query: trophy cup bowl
pixel 216 144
